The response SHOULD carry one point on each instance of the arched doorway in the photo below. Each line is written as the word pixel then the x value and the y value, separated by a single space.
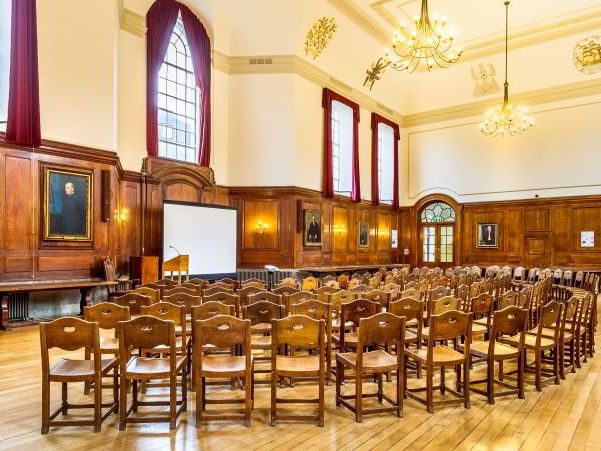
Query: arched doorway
pixel 437 226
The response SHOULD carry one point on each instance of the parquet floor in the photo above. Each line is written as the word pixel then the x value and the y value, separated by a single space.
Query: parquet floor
pixel 562 417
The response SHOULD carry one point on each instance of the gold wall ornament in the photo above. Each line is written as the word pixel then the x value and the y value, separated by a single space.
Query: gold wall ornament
pixel 506 119
pixel 587 55
pixel 374 73
pixel 319 36
pixel 425 47
pixel 484 76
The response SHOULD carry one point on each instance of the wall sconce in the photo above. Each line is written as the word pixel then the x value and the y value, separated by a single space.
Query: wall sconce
pixel 261 227
pixel 121 215
pixel 339 228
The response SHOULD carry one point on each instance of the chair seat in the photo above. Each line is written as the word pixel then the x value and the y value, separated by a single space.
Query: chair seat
pixel 79 369
pixel 294 366
pixel 373 362
pixel 410 336
pixel 530 341
pixel 336 323
pixel 480 349
pixel 218 365
pixel 350 338
pixel 479 329
pixel 580 330
pixel 481 321
pixel 148 367
pixel 261 327
pixel 260 341
pixel 109 345
pixel 549 332
pixel 441 355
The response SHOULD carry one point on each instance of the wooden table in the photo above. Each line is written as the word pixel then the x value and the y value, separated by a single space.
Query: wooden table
pixel 317 270
pixel 84 286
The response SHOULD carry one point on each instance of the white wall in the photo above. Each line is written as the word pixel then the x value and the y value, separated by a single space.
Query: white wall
pixel 559 156
pixel 77 48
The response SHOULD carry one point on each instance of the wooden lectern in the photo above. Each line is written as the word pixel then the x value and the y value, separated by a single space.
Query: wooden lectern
pixel 177 265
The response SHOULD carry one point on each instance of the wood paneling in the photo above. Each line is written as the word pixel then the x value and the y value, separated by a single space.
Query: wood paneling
pixel 536 220
pixel 256 214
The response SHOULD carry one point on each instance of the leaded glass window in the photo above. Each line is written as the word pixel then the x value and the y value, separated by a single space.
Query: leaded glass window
pixel 438 212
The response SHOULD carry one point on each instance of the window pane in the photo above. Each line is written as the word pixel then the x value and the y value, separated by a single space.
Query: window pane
pixel 438 212
pixel 385 162
pixel 342 147
pixel 446 244
pixel 5 7
pixel 428 244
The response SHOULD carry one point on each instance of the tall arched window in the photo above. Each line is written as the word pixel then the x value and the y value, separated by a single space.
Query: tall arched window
pixel 178 97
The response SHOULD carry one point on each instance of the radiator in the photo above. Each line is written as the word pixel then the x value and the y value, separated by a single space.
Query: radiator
pixel 270 278
pixel 18 306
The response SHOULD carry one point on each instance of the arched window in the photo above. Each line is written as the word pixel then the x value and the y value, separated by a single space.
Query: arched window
pixel 5 19
pixel 438 212
pixel 178 97
pixel 437 234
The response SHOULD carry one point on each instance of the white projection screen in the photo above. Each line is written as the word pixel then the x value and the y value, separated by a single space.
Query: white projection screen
pixel 207 233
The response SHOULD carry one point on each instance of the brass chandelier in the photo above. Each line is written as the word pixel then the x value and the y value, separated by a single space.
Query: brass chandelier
pixel 426 47
pixel 506 119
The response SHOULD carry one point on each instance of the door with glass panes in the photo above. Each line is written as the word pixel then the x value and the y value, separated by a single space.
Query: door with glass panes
pixel 437 235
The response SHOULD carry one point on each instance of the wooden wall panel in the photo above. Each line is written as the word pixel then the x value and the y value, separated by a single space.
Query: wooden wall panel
pixel 537 220
pixel 586 219
pixel 255 214
pixel 18 204
pixel 340 229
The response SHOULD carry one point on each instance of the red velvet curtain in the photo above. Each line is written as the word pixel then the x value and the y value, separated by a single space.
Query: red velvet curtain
pixel 328 173
pixel 23 121
pixel 200 48
pixel 375 191
pixel 160 20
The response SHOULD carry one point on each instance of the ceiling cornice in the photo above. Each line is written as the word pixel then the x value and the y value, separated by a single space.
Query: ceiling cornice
pixel 359 18
pixel 538 96
pixel 130 21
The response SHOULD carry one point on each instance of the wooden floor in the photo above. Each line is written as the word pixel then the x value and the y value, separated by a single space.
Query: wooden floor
pixel 567 416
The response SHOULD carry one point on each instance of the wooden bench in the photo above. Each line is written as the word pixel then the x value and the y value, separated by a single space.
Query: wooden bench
pixel 84 286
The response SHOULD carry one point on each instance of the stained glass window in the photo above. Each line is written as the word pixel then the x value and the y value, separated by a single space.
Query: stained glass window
pixel 438 212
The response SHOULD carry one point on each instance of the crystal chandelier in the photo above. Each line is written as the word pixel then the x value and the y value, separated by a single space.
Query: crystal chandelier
pixel 506 119
pixel 425 47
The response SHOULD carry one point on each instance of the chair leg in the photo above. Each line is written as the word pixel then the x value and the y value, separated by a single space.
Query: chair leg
pixel 358 396
pixel 429 389
pixel 556 363
pixel 561 357
pixel 185 372
pixel 400 390
pixel 521 361
pixel 86 384
pixel 490 381
pixel 116 389
pixel 380 390
pixel 45 405
pixel 442 380
pixel 466 384
pixel 339 370
pixel 172 400
pixel 64 407
pixel 199 398
pixel 248 396
pixel 274 381
pixel 537 374
pixel 501 372
pixel 134 394
pixel 122 401
pixel 322 377
pixel 97 403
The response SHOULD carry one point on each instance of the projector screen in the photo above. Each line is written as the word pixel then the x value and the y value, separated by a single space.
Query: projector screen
pixel 207 233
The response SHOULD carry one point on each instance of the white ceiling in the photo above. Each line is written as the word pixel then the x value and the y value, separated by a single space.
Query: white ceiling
pixel 478 19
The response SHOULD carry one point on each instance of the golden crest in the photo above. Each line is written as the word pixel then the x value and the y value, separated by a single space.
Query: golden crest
pixel 319 36
pixel 587 55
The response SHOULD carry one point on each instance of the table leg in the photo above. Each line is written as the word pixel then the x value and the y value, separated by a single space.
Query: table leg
pixel 86 299
pixel 4 317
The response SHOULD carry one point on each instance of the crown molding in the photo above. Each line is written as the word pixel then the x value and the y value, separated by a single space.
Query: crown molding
pixel 359 18
pixel 538 96
pixel 131 22
pixel 292 64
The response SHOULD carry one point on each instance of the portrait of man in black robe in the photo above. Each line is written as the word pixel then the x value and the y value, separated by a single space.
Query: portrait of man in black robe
pixel 68 209
pixel 312 228
pixel 487 235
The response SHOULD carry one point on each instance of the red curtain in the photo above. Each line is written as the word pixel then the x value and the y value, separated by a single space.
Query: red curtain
pixel 23 121
pixel 200 48
pixel 375 191
pixel 328 173
pixel 160 20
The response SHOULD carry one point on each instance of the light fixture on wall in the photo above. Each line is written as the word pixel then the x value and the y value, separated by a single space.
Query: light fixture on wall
pixel 261 227
pixel 339 228
pixel 121 215
pixel 426 47
pixel 506 119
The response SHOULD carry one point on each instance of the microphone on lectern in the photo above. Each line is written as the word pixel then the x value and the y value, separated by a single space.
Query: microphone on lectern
pixel 173 247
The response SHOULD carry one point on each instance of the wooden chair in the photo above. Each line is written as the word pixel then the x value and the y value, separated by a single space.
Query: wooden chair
pixel 222 331
pixel 227 299
pixel 351 313
pixel 167 283
pixel 213 289
pixel 568 278
pixel 261 285
pixel 287 282
pixel 196 288
pixel 111 275
pixel 227 282
pixel 107 315
pixel 343 280
pixel 134 301
pixel 538 343
pixel 202 282
pixel 353 283
pixel 245 292
pixel 380 296
pixel 381 329
pixel 180 290
pixel 260 315
pixel 147 332
pixel 449 325
pixel 438 292
pixel 265 296
pixel 309 283
pixel 71 334
pixel 185 300
pixel 224 285
pixel 320 311
pixel 285 290
pixel 508 299
pixel 177 314
pixel 509 322
pixel 153 294
pixel 482 307
pixel 296 298
pixel 410 293
pixel 153 286
pixel 437 307
pixel 324 291
pixel 412 309
pixel 298 331
pixel 580 329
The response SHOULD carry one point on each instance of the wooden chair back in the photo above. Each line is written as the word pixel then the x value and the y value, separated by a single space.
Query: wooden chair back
pixel 134 301
pixel 230 299
pixel 508 299
pixel 245 292
pixel 179 289
pixel 324 292
pixel 216 289
pixel 438 292
pixel 355 310
pixel 262 312
pixel 410 293
pixel 309 283
pixel 106 314
pixel 450 325
pixel 299 331
pixel 313 309
pixel 509 321
pixel 169 312
pixel 287 282
pixel 442 305
pixel 184 300
pixel 381 329
pixel 223 332
pixel 411 308
pixel 153 286
pixel 380 296
pixel 261 285
pixel 210 309
pixel 196 281
pixel 341 296
pixel 481 305
pixel 353 283
pixel 265 296
pixel 362 288
pixel 285 290
pixel 343 280
pixel 146 332
pixel 168 283
pixel 296 298
pixel 152 293
pixel 227 282
pixel 196 288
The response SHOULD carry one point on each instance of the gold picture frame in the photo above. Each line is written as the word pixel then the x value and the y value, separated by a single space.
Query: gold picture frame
pixel 67 201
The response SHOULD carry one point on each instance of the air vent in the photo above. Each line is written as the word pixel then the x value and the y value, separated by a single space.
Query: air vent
pixel 260 60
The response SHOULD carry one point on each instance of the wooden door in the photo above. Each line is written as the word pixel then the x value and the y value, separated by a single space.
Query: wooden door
pixel 536 250
pixel 437 247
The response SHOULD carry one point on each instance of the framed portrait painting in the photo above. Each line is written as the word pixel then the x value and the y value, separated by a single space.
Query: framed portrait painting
pixel 67 205
pixel 363 234
pixel 488 235
pixel 312 228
